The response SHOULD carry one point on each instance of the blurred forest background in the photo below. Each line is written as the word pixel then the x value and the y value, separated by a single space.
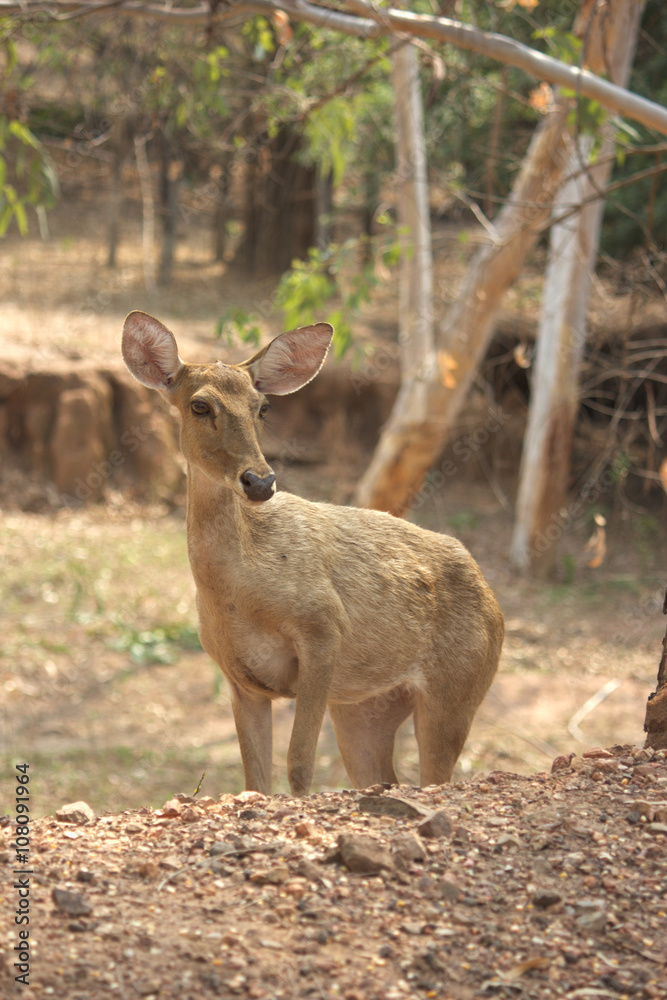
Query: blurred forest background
pixel 236 174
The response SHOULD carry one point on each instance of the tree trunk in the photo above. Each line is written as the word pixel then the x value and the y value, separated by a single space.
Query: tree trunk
pixel 170 176
pixel 324 209
pixel 120 144
pixel 221 179
pixel 426 410
pixel 655 724
pixel 545 464
pixel 416 339
pixel 148 211
pixel 281 200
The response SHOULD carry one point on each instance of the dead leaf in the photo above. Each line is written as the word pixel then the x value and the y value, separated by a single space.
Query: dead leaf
pixel 597 543
pixel 447 365
pixel 542 98
pixel 283 28
pixel 663 474
pixel 521 356
pixel 522 967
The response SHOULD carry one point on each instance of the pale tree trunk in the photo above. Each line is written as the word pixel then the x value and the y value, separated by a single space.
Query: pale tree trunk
pixel 148 213
pixel 416 335
pixel 545 463
pixel 415 435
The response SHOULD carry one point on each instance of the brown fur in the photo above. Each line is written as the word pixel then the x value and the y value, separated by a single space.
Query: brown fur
pixel 337 606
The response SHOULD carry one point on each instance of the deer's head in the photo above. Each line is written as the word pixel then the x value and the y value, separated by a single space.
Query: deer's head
pixel 222 406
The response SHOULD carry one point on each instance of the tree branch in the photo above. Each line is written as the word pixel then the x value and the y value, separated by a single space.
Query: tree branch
pixel 363 20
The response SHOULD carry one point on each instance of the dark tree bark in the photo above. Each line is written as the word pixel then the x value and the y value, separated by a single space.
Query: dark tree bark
pixel 120 147
pixel 281 206
pixel 221 179
pixel 655 723
pixel 171 171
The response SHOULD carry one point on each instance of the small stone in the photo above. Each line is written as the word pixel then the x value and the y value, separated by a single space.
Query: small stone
pixel 414 929
pixel 252 814
pixel 71 903
pixel 407 848
pixel 308 870
pixel 78 813
pixel 83 875
pixel 271 876
pixel 593 921
pixel 133 828
pixel 362 854
pixel 436 826
pixel 296 887
pixel 170 809
pixel 247 797
pixel 508 840
pixel 449 890
pixel 657 828
pixel 305 829
pixel 206 801
pixel 221 847
pixel 148 870
pixel 385 951
pixel 172 863
pixel 562 763
pixel 391 805
pixel 543 899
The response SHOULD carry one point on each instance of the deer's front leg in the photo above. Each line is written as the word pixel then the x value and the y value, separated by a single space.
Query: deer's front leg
pixel 252 716
pixel 316 666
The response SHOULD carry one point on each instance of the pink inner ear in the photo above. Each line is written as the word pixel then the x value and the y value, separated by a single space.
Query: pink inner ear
pixel 292 360
pixel 150 350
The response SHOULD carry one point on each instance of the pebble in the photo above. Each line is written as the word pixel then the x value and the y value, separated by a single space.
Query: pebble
pixel 436 826
pixel 391 805
pixel 78 813
pixel 544 899
pixel 406 848
pixel 275 875
pixel 71 903
pixel 362 854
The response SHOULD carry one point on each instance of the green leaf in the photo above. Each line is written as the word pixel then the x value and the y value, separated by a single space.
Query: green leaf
pixel 21 218
pixel 5 218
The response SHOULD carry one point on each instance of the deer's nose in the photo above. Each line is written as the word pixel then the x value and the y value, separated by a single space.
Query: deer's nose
pixel 258 489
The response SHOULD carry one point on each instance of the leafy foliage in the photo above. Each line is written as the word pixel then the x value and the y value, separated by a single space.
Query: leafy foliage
pixel 27 177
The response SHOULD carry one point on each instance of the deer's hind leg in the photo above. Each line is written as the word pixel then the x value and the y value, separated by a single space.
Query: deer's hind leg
pixel 365 735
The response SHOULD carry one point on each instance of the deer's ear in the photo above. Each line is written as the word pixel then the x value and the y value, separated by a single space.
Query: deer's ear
pixel 150 351
pixel 291 360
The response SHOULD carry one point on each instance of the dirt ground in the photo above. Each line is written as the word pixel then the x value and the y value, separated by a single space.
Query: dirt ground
pixel 547 887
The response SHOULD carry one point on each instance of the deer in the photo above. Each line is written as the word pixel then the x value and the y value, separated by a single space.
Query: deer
pixel 337 607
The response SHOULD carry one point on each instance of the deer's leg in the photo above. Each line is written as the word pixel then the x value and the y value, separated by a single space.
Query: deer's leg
pixel 365 735
pixel 252 715
pixel 316 649
pixel 441 728
pixel 311 703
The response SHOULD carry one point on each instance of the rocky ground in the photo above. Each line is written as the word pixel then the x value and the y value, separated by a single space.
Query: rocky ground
pixel 543 886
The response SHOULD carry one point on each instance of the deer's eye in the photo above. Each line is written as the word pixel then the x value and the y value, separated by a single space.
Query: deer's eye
pixel 263 410
pixel 199 406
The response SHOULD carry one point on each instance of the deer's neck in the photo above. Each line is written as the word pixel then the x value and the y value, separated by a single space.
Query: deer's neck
pixel 219 524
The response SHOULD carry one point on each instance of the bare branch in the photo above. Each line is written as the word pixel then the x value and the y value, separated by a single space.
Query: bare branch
pixel 377 23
